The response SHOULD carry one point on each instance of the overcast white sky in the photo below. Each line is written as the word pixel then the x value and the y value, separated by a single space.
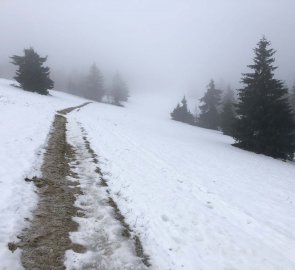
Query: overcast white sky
pixel 156 43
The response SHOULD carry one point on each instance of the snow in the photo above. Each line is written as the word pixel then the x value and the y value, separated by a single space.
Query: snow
pixel 25 120
pixel 196 201
pixel 98 231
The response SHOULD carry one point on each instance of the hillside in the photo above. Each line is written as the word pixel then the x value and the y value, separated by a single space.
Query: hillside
pixel 195 201
pixel 25 120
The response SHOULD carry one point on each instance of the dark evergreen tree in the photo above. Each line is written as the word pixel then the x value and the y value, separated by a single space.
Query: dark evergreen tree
pixel 265 123
pixel 119 90
pixel 209 116
pixel 176 113
pixel 31 74
pixel 94 84
pixel 182 114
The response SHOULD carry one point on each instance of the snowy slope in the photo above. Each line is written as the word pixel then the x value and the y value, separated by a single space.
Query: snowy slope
pixel 197 202
pixel 25 120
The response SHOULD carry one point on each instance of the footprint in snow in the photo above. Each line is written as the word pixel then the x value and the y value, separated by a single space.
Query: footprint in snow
pixel 209 205
pixel 165 218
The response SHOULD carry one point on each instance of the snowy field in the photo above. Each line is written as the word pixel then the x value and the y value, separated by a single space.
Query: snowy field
pixel 196 201
pixel 25 120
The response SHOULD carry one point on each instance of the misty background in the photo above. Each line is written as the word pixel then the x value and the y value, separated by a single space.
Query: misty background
pixel 169 45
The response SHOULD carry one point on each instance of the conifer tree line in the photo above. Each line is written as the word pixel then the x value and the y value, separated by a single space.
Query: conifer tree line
pixel 262 117
pixel 217 110
pixel 92 86
pixel 182 114
pixel 33 76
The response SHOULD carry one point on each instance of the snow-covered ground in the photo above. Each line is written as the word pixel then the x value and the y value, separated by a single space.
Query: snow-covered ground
pixel 25 120
pixel 196 201
pixel 99 231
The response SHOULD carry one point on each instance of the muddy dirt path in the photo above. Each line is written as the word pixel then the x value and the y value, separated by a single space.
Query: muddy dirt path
pixel 45 242
pixel 70 174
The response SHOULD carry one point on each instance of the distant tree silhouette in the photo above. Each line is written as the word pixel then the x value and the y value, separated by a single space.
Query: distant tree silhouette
pixel 31 74
pixel 228 95
pixel 182 114
pixel 76 84
pixel 292 98
pixel 94 84
pixel 227 118
pixel 119 91
pixel 264 119
pixel 227 114
pixel 209 116
pixel 71 86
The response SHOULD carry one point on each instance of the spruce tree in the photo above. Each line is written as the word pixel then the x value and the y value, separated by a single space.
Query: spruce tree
pixel 94 84
pixel 209 116
pixel 31 74
pixel 175 114
pixel 182 114
pixel 119 90
pixel 264 123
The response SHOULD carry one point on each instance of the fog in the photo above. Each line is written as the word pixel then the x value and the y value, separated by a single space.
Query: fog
pixel 156 44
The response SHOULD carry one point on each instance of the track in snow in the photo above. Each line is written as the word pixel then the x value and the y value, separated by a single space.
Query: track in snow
pixel 110 243
pixel 76 224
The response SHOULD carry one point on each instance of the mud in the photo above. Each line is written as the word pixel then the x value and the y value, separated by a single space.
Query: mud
pixel 45 242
